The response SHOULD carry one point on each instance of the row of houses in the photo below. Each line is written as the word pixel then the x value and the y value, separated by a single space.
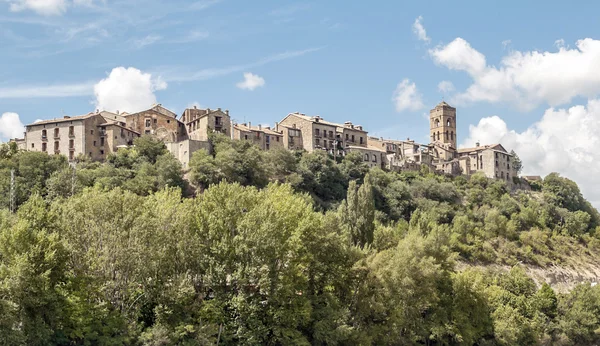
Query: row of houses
pixel 101 133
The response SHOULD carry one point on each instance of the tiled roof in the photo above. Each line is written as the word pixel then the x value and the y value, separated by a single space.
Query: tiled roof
pixel 325 122
pixel 497 147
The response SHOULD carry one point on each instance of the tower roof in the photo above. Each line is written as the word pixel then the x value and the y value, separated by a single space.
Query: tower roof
pixel 443 104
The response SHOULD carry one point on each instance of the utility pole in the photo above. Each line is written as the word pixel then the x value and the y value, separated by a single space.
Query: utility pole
pixel 13 194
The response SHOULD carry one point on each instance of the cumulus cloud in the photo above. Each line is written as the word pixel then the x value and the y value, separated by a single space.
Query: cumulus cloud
pixel 251 82
pixel 564 141
pixel 407 97
pixel 525 79
pixel 419 30
pixel 445 86
pixel 10 126
pixel 127 89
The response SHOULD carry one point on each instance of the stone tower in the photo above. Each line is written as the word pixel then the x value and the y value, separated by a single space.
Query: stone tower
pixel 442 127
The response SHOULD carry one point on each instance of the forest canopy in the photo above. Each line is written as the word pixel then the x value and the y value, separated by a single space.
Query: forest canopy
pixel 277 247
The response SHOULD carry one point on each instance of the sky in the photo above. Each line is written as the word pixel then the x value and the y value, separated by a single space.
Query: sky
pixel 523 74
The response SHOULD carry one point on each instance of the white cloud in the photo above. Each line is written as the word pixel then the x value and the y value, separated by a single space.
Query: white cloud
pixel 525 79
pixel 127 89
pixel 560 43
pixel 146 41
pixel 11 126
pixel 46 7
pixel 251 82
pixel 407 97
pixel 564 141
pixel 419 30
pixel 506 43
pixel 43 7
pixel 445 86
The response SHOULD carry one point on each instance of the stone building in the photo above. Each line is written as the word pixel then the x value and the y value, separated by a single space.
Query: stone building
pixel 442 122
pixel 199 121
pixel 159 122
pixel 94 134
pixel 262 136
pixel 493 160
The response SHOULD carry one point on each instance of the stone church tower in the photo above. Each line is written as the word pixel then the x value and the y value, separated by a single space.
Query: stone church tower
pixel 442 127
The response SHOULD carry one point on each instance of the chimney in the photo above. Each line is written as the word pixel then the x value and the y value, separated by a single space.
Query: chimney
pixel 477 144
pixel 207 110
pixel 118 112
pixel 219 109
pixel 277 126
pixel 250 125
pixel 267 127
pixel 195 107
pixel 227 111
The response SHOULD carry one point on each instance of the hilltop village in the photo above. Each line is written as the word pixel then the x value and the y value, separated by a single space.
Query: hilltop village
pixel 101 133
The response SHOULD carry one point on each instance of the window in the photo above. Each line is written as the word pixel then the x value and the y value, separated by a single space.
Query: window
pixel 446 135
pixel 147 132
pixel 155 120
pixel 168 121
pixel 101 141
pixel 92 132
pixel 316 132
pixel 277 138
pixel 101 152
pixel 366 157
pixel 452 135
pixel 496 155
pixel 352 138
pixel 245 136
pixel 448 123
pixel 94 143
pixel 71 155
pixel 148 124
pixel 346 136
pixel 56 145
pixel 496 163
pixel 361 140
pixel 56 133
pixel 44 147
pixel 218 121
pixel 330 134
pixel 439 136
pixel 71 144
pixel 374 158
pixel 317 142
pixel 71 131
pixel 44 134
pixel 437 122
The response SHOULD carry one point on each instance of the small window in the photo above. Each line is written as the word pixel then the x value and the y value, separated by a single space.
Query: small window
pixel 71 131
pixel 147 132
pixel 92 132
pixel 44 147
pixel 155 121
pixel 44 134
pixel 101 152
pixel 346 136
pixel 366 157
pixel 374 158
pixel 317 142
pixel 361 140
pixel 277 138
pixel 94 143
pixel 148 123
pixel 33 145
pixel 352 138
pixel 316 132
pixel 245 136
pixel 168 121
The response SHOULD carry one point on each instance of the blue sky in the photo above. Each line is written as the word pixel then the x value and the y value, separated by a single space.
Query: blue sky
pixel 518 72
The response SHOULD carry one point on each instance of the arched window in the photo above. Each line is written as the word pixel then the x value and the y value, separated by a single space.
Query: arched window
pixel 366 157
pixel 374 158
pixel 448 123
pixel 437 122
pixel 446 135
pixel 439 136
pixel 452 135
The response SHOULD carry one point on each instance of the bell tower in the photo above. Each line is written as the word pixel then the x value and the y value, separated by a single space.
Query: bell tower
pixel 442 124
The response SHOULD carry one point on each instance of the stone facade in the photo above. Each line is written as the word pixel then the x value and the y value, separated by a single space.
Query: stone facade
pixel 264 137
pixel 492 160
pixel 157 121
pixel 199 121
pixel 372 156
pixel 443 124
pixel 183 150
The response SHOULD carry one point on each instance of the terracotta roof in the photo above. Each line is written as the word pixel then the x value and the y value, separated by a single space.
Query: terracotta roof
pixel 117 125
pixel 270 132
pixel 532 177
pixel 369 148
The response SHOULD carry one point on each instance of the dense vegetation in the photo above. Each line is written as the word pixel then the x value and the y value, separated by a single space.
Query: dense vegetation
pixel 277 247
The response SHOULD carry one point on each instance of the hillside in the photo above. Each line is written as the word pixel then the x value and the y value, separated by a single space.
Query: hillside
pixel 279 247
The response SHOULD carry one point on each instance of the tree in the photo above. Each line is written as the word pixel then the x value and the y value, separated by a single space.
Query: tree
pixel 149 147
pixel 515 162
pixel 357 213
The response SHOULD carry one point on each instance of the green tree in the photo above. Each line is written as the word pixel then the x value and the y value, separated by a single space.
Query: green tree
pixel 357 213
pixel 515 162
pixel 149 147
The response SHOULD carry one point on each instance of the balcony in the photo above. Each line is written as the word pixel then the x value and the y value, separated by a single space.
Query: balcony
pixel 44 137
pixel 102 133
pixel 71 134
